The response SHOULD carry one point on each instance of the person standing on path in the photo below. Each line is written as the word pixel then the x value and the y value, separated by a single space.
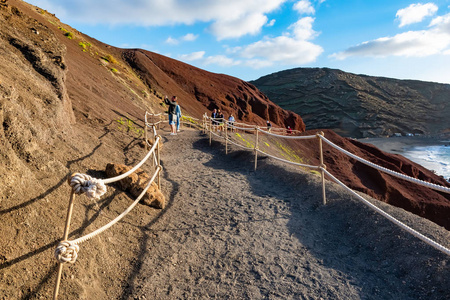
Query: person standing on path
pixel 178 113
pixel 172 113
pixel 231 121
pixel 269 126
pixel 214 122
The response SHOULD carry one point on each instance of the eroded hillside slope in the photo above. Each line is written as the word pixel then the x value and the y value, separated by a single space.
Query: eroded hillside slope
pixel 358 105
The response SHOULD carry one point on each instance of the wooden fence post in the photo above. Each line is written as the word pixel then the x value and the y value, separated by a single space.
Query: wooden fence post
pixel 226 137
pixel 256 148
pixel 322 166
pixel 65 236
pixel 210 130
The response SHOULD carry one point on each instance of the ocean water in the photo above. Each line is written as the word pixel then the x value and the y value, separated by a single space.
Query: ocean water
pixel 436 158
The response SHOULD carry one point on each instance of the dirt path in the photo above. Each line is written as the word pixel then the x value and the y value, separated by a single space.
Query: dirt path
pixel 231 233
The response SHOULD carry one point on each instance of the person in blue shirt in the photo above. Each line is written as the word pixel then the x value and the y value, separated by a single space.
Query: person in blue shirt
pixel 178 113
pixel 231 121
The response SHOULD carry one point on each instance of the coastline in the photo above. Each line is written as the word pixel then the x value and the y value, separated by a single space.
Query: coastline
pixel 399 145
pixel 421 150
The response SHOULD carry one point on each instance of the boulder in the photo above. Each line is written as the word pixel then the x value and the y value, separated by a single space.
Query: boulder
pixel 135 184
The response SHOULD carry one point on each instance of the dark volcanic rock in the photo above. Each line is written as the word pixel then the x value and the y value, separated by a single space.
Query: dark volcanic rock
pixel 359 105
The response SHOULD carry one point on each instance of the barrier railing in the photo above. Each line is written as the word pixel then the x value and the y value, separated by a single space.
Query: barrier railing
pixel 208 126
pixel 67 250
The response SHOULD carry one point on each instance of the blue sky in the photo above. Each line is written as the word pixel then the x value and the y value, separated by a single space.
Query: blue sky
pixel 252 38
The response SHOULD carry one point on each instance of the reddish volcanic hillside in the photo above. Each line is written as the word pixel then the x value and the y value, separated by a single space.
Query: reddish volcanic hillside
pixel 198 89
pixel 412 197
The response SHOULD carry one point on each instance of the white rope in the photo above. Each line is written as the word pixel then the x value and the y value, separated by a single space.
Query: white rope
pixel 242 146
pixel 93 188
pixel 118 218
pixel 295 137
pixel 120 177
pixel 391 218
pixel 243 128
pixel 66 252
pixel 156 123
pixel 288 161
pixel 393 173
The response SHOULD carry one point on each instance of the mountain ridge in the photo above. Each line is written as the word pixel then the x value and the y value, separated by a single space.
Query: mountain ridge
pixel 360 105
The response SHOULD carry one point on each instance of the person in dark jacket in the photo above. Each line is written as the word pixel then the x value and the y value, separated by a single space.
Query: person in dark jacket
pixel 172 114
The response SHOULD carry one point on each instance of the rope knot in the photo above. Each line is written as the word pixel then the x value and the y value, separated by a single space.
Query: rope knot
pixel 92 187
pixel 323 166
pixel 66 252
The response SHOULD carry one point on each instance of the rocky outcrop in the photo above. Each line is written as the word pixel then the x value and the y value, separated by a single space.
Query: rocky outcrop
pixel 358 105
pixel 135 185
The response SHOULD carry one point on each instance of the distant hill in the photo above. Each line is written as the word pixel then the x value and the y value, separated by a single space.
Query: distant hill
pixel 358 105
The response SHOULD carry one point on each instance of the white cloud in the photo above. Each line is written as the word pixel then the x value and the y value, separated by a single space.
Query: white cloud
pixel 234 28
pixel 271 23
pixel 415 13
pixel 408 44
pixel 304 7
pixel 199 57
pixel 245 17
pixel 283 49
pixel 220 60
pixel 302 29
pixel 441 23
pixel 171 41
pixel 290 48
pixel 435 40
pixel 258 63
pixel 190 37
pixel 194 56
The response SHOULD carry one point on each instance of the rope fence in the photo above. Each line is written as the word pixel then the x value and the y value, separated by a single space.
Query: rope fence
pixel 93 188
pixel 67 250
pixel 208 126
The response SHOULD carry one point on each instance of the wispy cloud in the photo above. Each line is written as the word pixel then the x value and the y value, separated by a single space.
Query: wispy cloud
pixel 434 40
pixel 194 56
pixel 229 19
pixel 271 23
pixel 199 57
pixel 415 13
pixel 304 7
pixel 190 37
pixel 294 47
pixel 171 41
pixel 291 48
pixel 237 27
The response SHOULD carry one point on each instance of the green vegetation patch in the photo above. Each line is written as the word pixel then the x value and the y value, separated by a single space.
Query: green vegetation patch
pixel 129 126
pixel 67 33
pixel 109 58
pixel 247 143
pixel 84 45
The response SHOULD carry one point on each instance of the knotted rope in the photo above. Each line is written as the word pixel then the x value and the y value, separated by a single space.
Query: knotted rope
pixel 92 187
pixel 66 252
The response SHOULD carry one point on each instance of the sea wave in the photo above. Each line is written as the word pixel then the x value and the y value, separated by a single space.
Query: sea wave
pixel 436 158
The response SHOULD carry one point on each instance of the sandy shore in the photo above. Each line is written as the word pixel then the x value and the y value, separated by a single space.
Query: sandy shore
pixel 397 145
